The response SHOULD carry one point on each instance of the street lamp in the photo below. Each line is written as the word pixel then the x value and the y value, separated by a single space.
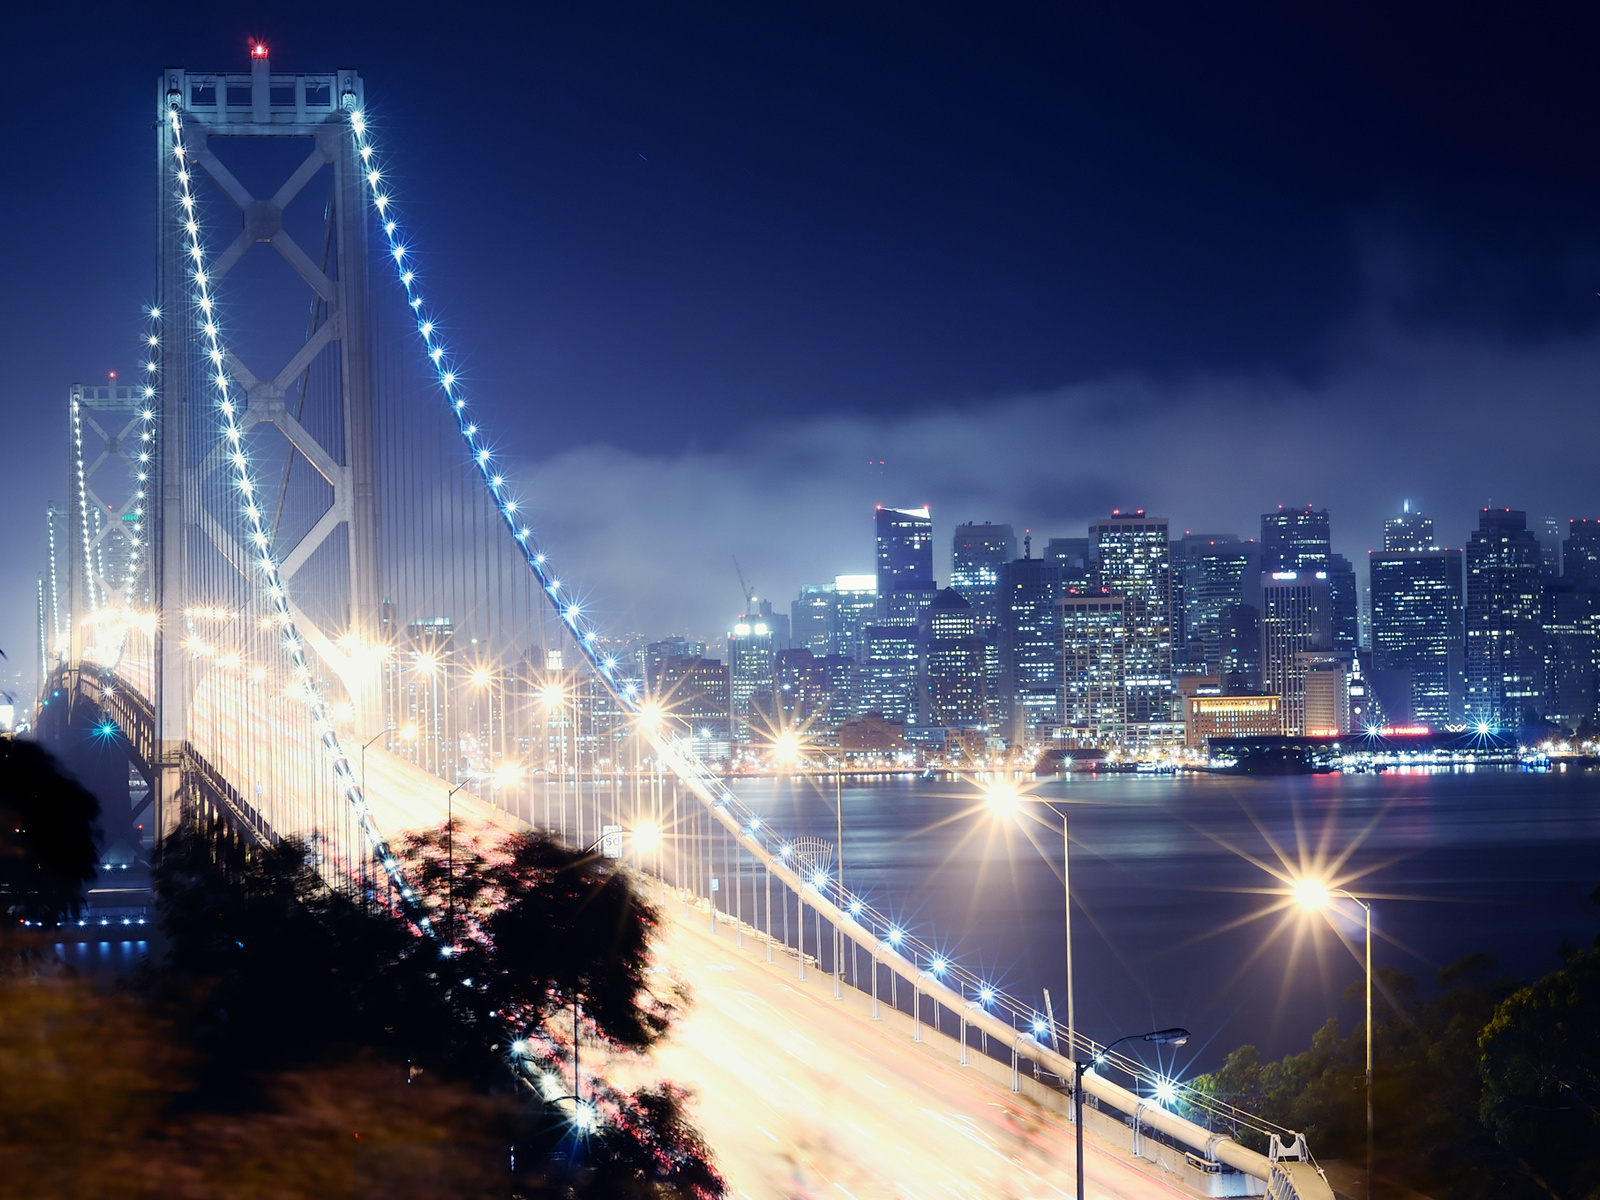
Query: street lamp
pixel 788 749
pixel 450 843
pixel 1160 1037
pixel 1313 895
pixel 1004 800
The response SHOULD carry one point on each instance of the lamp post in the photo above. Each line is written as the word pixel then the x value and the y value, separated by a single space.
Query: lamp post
pixel 789 750
pixel 450 844
pixel 1313 895
pixel 1160 1037
pixel 1004 800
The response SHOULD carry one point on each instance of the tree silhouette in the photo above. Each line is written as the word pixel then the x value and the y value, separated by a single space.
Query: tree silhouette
pixel 47 836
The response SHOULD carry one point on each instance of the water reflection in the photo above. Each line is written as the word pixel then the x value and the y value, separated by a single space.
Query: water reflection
pixel 1169 885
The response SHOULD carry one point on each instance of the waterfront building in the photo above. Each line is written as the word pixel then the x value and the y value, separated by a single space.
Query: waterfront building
pixel 1505 651
pixel 1218 716
pixel 694 690
pixel 1326 676
pixel 1572 636
pixel 1296 617
pixel 1134 558
pixel 1419 619
pixel 977 555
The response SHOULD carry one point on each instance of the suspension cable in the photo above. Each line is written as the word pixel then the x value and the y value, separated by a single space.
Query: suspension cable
pixel 685 763
pixel 261 548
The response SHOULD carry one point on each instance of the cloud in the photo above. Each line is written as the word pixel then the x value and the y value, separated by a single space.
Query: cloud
pixel 1448 424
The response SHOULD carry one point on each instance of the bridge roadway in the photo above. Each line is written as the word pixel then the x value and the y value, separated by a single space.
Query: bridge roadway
pixel 801 1095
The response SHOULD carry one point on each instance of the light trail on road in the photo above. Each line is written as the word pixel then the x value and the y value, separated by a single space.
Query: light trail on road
pixel 800 1095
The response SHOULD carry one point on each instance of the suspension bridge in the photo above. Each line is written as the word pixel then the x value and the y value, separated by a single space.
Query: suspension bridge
pixel 295 590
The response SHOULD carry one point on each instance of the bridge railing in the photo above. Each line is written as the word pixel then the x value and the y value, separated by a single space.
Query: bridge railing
pixel 936 979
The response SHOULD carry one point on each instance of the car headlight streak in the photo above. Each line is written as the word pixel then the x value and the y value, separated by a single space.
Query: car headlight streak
pixel 212 347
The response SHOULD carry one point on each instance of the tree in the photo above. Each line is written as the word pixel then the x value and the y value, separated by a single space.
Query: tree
pixel 1540 1066
pixel 47 836
pixel 273 970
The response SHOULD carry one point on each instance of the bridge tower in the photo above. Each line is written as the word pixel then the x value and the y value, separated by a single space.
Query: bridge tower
pixel 283 110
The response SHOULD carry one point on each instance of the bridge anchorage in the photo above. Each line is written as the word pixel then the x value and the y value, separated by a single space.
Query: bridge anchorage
pixel 283 597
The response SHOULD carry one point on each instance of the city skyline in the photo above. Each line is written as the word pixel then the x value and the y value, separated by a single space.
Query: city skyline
pixel 695 384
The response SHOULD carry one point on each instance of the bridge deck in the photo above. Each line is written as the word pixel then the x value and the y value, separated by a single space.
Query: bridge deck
pixel 803 1095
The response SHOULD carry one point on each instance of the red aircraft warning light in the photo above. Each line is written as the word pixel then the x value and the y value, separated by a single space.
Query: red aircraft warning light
pixel 258 49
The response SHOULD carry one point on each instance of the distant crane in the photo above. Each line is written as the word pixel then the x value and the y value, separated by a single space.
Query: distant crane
pixel 744 588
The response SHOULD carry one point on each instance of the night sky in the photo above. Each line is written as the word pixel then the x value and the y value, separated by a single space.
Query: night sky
pixel 709 264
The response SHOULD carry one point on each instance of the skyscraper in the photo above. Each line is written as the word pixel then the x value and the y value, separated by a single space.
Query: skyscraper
pixel 1216 574
pixel 1299 539
pixel 1029 640
pixel 1296 618
pixel 750 669
pixel 1094 655
pixel 1135 563
pixel 813 618
pixel 1580 555
pixel 1075 557
pixel 1505 641
pixel 887 671
pixel 1408 531
pixel 905 564
pixel 855 606
pixel 977 555
pixel 1418 619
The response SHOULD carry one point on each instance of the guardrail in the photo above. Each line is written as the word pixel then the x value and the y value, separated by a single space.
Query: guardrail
pixel 1286 1172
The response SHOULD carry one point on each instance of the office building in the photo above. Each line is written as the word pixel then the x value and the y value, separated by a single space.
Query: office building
pixel 1212 575
pixel 1094 684
pixel 1572 639
pixel 750 669
pixel 1134 558
pixel 1028 640
pixel 1505 648
pixel 1075 558
pixel 1580 555
pixel 813 618
pixel 951 691
pixel 1418 618
pixel 1296 617
pixel 1408 531
pixel 855 606
pixel 1239 655
pixel 806 695
pixel 1299 539
pixel 977 555
pixel 693 690
pixel 886 673
pixel 1230 717
pixel 1548 530
pixel 905 564
pixel 1326 676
